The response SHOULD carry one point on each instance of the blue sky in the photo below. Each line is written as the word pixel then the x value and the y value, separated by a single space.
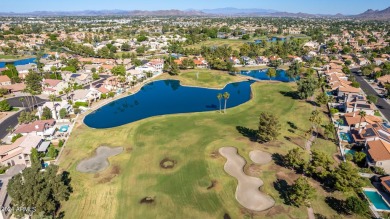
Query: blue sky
pixel 309 6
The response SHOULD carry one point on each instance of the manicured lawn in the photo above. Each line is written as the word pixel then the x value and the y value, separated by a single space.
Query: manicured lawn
pixel 235 44
pixel 192 140
pixel 203 78
pixel 13 57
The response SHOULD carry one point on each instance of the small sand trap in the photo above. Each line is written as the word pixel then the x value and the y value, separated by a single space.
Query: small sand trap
pixel 99 162
pixel 260 157
pixel 247 192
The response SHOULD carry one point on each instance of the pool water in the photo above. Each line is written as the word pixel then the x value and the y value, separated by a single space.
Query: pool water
pixel 346 137
pixel 376 200
pixel 166 97
pixel 349 151
pixel 64 128
pixel 262 75
pixel 387 125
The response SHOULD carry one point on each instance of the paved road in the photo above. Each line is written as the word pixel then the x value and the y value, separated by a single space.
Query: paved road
pixel 27 99
pixel 382 105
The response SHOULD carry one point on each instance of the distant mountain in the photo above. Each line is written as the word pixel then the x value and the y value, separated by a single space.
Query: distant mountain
pixel 167 13
pixel 106 13
pixel 237 11
pixel 375 14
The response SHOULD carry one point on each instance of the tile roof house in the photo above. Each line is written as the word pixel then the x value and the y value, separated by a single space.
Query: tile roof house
pixel 52 86
pixel 385 79
pixel 5 80
pixel 19 151
pixel 37 127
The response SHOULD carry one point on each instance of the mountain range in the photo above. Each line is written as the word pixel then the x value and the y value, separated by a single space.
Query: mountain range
pixel 367 15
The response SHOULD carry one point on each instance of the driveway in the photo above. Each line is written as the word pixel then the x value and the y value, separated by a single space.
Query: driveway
pixel 382 104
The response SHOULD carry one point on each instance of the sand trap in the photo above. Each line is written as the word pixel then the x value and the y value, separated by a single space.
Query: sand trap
pixel 247 192
pixel 99 162
pixel 260 157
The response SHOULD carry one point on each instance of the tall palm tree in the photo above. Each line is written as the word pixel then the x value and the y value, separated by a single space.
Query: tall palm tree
pixel 362 114
pixel 219 96
pixel 226 96
pixel 53 98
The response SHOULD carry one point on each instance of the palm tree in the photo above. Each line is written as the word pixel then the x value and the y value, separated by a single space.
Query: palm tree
pixel 226 96
pixel 316 119
pixel 219 96
pixel 21 99
pixel 362 114
pixel 53 98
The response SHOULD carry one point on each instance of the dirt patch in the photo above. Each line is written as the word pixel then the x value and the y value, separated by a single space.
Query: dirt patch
pixel 276 210
pixel 290 177
pixel 99 162
pixel 147 200
pixel 167 163
pixel 115 170
pixel 128 150
pixel 213 184
pixel 97 175
pixel 254 170
pixel 273 144
pixel 106 179
pixel 214 154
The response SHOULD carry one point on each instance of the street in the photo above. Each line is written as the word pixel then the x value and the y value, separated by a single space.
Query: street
pixel 382 105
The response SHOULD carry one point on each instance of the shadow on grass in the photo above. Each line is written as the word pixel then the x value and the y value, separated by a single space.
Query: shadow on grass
pixel 313 103
pixel 283 188
pixel 292 94
pixel 336 204
pixel 247 132
pixel 278 159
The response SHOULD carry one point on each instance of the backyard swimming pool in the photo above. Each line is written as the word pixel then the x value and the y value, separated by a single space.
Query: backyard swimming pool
pixel 64 128
pixel 349 151
pixel 346 137
pixel 376 199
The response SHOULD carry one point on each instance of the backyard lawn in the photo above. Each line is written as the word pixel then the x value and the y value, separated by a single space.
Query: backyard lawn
pixel 197 186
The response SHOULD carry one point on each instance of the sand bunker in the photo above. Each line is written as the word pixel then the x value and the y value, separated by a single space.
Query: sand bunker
pixel 260 157
pixel 247 192
pixel 99 162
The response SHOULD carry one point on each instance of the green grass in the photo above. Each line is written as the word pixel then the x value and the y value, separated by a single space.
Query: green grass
pixel 204 78
pixel 235 44
pixel 192 140
pixel 13 57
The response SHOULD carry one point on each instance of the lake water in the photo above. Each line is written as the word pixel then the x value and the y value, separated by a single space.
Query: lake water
pixel 262 75
pixel 165 97
pixel 21 61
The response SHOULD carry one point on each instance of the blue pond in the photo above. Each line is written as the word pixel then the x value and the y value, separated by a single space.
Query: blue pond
pixel 262 75
pixel 376 200
pixel 165 97
pixel 21 61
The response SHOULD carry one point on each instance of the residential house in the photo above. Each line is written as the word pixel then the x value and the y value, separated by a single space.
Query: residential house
pixel 39 128
pixel 52 86
pixel 382 81
pixel 354 102
pixel 378 154
pixel 262 60
pixel 4 80
pixel 248 61
pixel 25 69
pixel 19 151
pixel 55 108
pixel 200 62
pixel 354 121
pixel 234 60
pixel 50 63
pixel 85 95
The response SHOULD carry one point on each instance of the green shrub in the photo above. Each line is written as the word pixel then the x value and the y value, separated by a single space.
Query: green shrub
pixel 333 111
pixel 78 104
pixel 16 137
